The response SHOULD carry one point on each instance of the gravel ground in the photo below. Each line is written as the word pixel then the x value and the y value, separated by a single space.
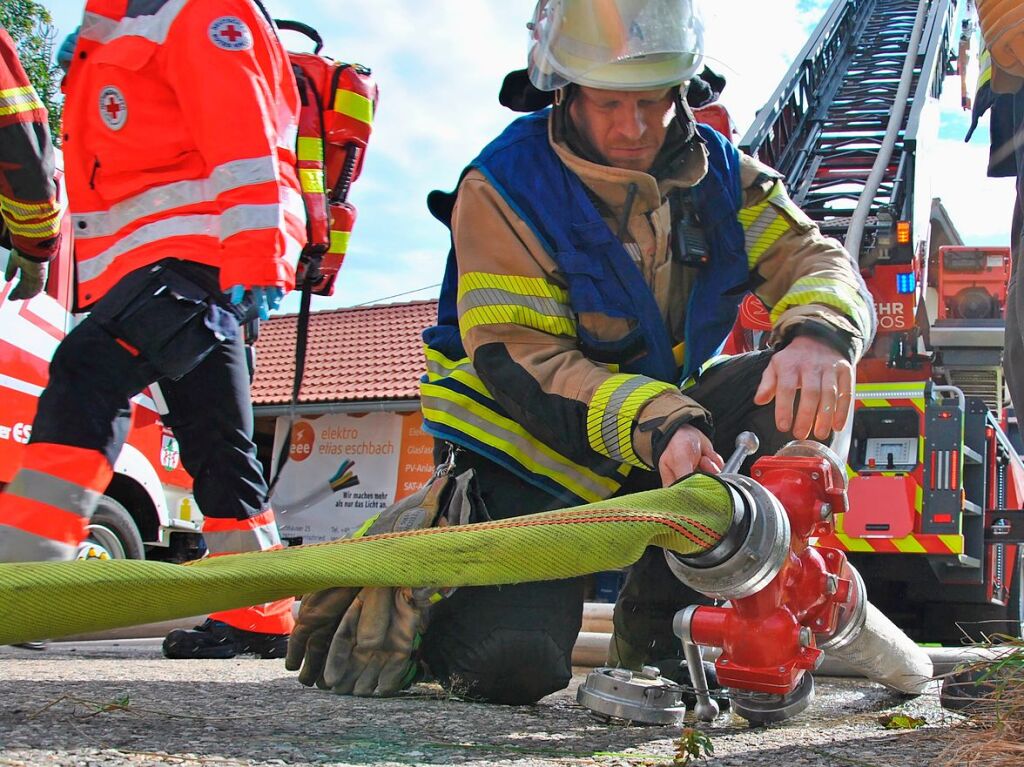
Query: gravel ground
pixel 107 704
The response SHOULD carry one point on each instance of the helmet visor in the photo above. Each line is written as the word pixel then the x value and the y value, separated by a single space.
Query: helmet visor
pixel 615 44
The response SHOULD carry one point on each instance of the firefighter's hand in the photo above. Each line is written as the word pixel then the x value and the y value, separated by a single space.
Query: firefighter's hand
pixel 824 379
pixel 31 276
pixel 687 451
pixel 266 298
pixel 374 647
pixel 319 616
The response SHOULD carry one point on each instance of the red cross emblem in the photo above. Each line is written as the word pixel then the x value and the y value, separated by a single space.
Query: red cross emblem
pixel 230 33
pixel 113 108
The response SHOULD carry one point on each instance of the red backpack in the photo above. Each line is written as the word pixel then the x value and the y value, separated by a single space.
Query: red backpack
pixel 338 101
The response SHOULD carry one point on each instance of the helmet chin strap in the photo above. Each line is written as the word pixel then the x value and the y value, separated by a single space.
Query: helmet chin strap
pixel 682 115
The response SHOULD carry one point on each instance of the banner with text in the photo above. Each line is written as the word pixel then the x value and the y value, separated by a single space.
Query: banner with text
pixel 343 469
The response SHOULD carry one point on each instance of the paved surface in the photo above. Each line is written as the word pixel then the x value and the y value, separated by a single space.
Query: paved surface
pixel 106 704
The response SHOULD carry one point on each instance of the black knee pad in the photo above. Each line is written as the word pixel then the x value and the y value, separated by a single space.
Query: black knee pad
pixel 510 644
pixel 509 667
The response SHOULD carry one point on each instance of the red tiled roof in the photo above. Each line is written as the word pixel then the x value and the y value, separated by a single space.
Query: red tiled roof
pixel 358 354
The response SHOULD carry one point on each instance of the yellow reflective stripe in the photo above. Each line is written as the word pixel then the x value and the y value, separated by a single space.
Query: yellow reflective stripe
pixel 20 99
pixel 985 68
pixel 353 105
pixel 613 410
pixel 853 544
pixel 48 228
pixel 311 180
pixel 439 366
pixel 691 380
pixel 523 286
pixel 500 299
pixel 516 315
pixel 29 209
pixel 309 148
pixel 829 292
pixel 763 225
pixel 339 241
pixel 955 543
pixel 7 93
pixel 576 479
pixel 908 545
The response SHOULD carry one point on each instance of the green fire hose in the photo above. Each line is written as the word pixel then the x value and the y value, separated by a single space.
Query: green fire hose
pixel 45 600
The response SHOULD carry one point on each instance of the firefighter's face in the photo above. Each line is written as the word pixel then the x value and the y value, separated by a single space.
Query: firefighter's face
pixel 626 127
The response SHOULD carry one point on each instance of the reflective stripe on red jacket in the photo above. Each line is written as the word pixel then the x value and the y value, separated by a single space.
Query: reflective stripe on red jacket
pixel 179 140
pixel 28 194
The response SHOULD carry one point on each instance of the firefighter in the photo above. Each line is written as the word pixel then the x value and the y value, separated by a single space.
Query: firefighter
pixel 600 251
pixel 1001 90
pixel 28 194
pixel 178 139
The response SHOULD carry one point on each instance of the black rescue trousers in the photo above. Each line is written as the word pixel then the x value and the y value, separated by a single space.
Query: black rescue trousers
pixel 513 644
pixel 164 324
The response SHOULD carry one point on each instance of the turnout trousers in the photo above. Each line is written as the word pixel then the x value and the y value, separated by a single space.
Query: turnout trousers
pixel 159 325
pixel 513 644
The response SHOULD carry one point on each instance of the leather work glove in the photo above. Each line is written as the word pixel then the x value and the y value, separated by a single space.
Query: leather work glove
pixel 31 279
pixel 266 299
pixel 361 641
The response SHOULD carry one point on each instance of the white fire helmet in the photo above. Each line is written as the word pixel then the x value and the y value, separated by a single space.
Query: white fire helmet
pixel 615 44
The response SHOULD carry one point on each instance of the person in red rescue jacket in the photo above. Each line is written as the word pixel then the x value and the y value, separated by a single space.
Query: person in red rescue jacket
pixel 179 139
pixel 28 194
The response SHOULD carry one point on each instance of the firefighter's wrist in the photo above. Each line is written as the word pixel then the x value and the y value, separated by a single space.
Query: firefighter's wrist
pixel 663 432
pixel 835 338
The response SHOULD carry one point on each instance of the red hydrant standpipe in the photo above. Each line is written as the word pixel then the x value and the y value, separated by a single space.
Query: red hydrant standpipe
pixel 781 590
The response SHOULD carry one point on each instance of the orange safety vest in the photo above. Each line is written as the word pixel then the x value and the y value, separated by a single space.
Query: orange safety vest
pixel 179 141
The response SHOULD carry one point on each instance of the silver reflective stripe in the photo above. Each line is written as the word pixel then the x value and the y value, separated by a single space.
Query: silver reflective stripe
pixel 152 27
pixel 757 227
pixel 28 97
pixel 158 199
pixel 247 218
pixel 239 541
pixel 20 546
pixel 53 491
pixel 612 411
pixel 240 218
pixel 485 297
pixel 292 250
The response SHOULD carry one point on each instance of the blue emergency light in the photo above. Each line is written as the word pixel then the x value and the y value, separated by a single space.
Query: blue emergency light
pixel 906 282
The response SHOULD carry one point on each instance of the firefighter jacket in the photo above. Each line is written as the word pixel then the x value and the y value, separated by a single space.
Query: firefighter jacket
pixel 565 385
pixel 179 141
pixel 28 192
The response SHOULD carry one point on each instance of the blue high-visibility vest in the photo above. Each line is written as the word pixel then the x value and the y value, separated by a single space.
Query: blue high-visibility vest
pixel 600 275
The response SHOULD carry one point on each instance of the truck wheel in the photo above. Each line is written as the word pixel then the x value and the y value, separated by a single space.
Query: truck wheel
pixel 112 533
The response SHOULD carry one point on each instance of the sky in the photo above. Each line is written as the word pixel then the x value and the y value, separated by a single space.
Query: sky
pixel 439 65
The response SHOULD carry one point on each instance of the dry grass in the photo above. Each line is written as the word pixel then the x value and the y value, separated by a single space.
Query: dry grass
pixel 994 735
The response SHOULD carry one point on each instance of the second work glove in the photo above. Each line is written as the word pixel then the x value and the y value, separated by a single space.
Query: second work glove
pixel 362 641
pixel 31 276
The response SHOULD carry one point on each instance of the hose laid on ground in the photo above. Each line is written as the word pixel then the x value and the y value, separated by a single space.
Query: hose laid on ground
pixel 46 600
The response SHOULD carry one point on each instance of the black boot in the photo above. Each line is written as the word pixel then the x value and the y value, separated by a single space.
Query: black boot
pixel 214 639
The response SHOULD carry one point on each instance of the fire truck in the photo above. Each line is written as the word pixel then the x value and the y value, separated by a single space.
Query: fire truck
pixel 936 486
pixel 148 510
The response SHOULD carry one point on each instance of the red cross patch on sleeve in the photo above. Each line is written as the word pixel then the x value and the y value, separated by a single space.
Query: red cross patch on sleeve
pixel 230 33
